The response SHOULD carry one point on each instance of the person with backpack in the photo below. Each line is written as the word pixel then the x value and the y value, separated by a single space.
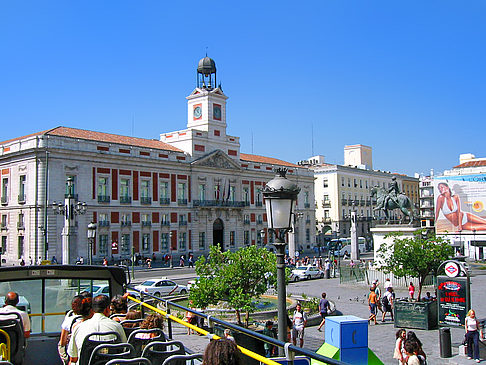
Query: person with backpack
pixel 387 303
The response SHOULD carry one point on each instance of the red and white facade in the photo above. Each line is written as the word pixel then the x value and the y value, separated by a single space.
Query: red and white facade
pixel 193 183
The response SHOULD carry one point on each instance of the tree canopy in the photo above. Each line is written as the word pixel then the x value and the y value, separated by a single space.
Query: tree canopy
pixel 237 277
pixel 415 256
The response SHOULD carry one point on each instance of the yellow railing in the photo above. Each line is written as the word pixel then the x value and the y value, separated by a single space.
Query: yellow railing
pixel 44 315
pixel 247 352
pixel 5 348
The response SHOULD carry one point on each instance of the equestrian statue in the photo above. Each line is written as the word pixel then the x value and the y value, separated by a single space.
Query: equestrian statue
pixel 391 198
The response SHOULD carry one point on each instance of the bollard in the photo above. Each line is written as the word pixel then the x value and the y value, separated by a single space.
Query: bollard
pixel 445 342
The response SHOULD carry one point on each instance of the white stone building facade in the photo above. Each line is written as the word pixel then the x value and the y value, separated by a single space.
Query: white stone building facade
pixel 177 195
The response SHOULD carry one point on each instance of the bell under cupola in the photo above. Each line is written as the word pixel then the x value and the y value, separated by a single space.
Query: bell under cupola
pixel 206 73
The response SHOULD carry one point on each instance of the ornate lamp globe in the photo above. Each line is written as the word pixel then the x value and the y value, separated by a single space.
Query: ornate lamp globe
pixel 280 196
pixel 92 230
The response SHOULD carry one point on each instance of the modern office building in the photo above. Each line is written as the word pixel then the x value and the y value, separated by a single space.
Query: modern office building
pixel 180 194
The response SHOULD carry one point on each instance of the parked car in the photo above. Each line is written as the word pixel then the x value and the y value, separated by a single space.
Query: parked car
pixel 306 272
pixel 161 287
pixel 191 284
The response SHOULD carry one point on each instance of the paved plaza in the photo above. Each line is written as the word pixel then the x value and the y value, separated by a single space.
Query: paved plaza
pixel 351 300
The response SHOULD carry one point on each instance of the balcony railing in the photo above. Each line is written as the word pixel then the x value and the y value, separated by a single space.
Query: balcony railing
pixel 259 204
pixel 247 203
pixel 126 223
pixel 103 198
pixel 146 223
pixel 20 225
pixel 21 199
pixel 3 226
pixel 165 223
pixel 164 201
pixel 344 201
pixel 182 201
pixel 362 202
pixel 246 221
pixel 182 223
pixel 125 199
pixel 306 205
pixel 4 200
pixel 103 223
pixel 326 220
pixel 259 221
pixel 326 204
pixel 146 200
pixel 307 221
pixel 218 203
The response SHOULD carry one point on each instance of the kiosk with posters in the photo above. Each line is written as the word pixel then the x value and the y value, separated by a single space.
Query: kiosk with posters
pixel 453 293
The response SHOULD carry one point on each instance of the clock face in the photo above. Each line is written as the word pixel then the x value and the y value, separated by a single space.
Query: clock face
pixel 217 112
pixel 197 112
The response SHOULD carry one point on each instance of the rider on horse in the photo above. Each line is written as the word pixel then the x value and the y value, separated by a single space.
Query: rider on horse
pixel 393 192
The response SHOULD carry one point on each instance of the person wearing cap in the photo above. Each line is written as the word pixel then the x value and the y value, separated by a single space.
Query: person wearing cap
pixel 327 268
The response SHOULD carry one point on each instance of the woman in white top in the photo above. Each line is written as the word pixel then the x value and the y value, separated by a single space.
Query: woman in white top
pixel 450 205
pixel 472 335
pixel 399 352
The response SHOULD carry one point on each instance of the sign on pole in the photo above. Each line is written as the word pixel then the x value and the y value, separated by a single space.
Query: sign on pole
pixel 453 294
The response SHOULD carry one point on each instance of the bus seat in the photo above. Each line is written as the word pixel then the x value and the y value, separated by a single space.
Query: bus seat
pixel 11 323
pixel 130 325
pixel 90 344
pixel 141 337
pixel 158 352
pixel 174 359
pixel 109 351
pixel 135 361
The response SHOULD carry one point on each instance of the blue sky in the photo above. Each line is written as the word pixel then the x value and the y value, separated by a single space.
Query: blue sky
pixel 405 77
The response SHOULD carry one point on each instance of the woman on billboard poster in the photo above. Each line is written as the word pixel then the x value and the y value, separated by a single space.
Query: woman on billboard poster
pixel 450 204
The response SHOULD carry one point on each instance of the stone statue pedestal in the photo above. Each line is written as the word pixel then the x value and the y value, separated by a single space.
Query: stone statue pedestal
pixel 381 231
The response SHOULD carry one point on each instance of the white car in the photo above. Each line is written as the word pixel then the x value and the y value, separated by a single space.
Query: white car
pixel 191 284
pixel 161 287
pixel 306 272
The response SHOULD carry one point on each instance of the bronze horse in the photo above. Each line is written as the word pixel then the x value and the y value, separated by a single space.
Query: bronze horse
pixel 404 204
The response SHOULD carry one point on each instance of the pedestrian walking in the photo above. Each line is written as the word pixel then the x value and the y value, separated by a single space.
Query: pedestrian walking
pixel 299 322
pixel 182 261
pixel 387 284
pixel 399 352
pixel 372 305
pixel 387 303
pixel 190 261
pixel 327 268
pixel 472 335
pixel 411 290
pixel 376 283
pixel 324 309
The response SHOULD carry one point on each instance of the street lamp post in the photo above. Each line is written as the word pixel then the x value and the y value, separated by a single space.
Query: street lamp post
pixel 70 209
pixel 91 240
pixel 171 265
pixel 280 196
pixel 474 243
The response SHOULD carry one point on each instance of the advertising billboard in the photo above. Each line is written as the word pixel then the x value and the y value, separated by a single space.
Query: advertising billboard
pixel 460 203
pixel 454 300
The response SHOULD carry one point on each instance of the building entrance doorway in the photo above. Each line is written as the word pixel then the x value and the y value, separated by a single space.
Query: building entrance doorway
pixel 218 233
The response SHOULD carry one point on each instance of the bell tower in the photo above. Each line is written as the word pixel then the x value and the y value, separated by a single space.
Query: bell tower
pixel 206 106
pixel 206 118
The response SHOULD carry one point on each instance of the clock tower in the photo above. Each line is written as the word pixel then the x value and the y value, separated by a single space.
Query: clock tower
pixel 206 117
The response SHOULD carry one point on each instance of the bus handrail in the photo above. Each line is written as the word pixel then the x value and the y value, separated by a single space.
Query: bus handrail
pixel 5 348
pixel 273 341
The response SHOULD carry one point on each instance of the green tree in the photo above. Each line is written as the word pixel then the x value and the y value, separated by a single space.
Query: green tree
pixel 239 278
pixel 415 257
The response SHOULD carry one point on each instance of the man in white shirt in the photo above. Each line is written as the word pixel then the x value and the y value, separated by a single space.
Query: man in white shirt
pixel 299 322
pixel 98 323
pixel 11 300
